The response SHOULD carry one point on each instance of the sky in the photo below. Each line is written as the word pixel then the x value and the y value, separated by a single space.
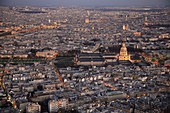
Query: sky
pixel 54 3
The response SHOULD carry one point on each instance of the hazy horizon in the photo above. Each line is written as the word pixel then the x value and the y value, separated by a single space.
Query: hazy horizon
pixel 95 3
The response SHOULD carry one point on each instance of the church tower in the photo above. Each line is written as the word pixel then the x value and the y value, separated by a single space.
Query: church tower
pixel 87 21
pixel 146 20
pixel 123 53
pixel 125 26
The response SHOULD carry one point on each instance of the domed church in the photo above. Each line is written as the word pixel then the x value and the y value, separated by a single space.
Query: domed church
pixel 123 53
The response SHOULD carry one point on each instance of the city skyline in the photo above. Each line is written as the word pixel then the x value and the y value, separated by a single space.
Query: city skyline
pixel 97 3
pixel 67 58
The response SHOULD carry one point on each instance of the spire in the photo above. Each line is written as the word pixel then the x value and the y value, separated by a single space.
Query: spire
pixel 123 44
pixel 126 17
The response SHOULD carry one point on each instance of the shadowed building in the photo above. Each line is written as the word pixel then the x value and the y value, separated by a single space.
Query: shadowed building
pixel 86 59
pixel 111 59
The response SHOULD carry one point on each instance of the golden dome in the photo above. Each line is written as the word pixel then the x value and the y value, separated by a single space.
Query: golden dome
pixel 123 50
pixel 123 53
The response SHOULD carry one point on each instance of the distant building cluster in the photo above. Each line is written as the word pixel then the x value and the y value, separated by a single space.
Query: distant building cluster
pixel 80 59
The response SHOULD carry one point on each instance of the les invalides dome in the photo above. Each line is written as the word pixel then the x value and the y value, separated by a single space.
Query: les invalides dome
pixel 123 53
